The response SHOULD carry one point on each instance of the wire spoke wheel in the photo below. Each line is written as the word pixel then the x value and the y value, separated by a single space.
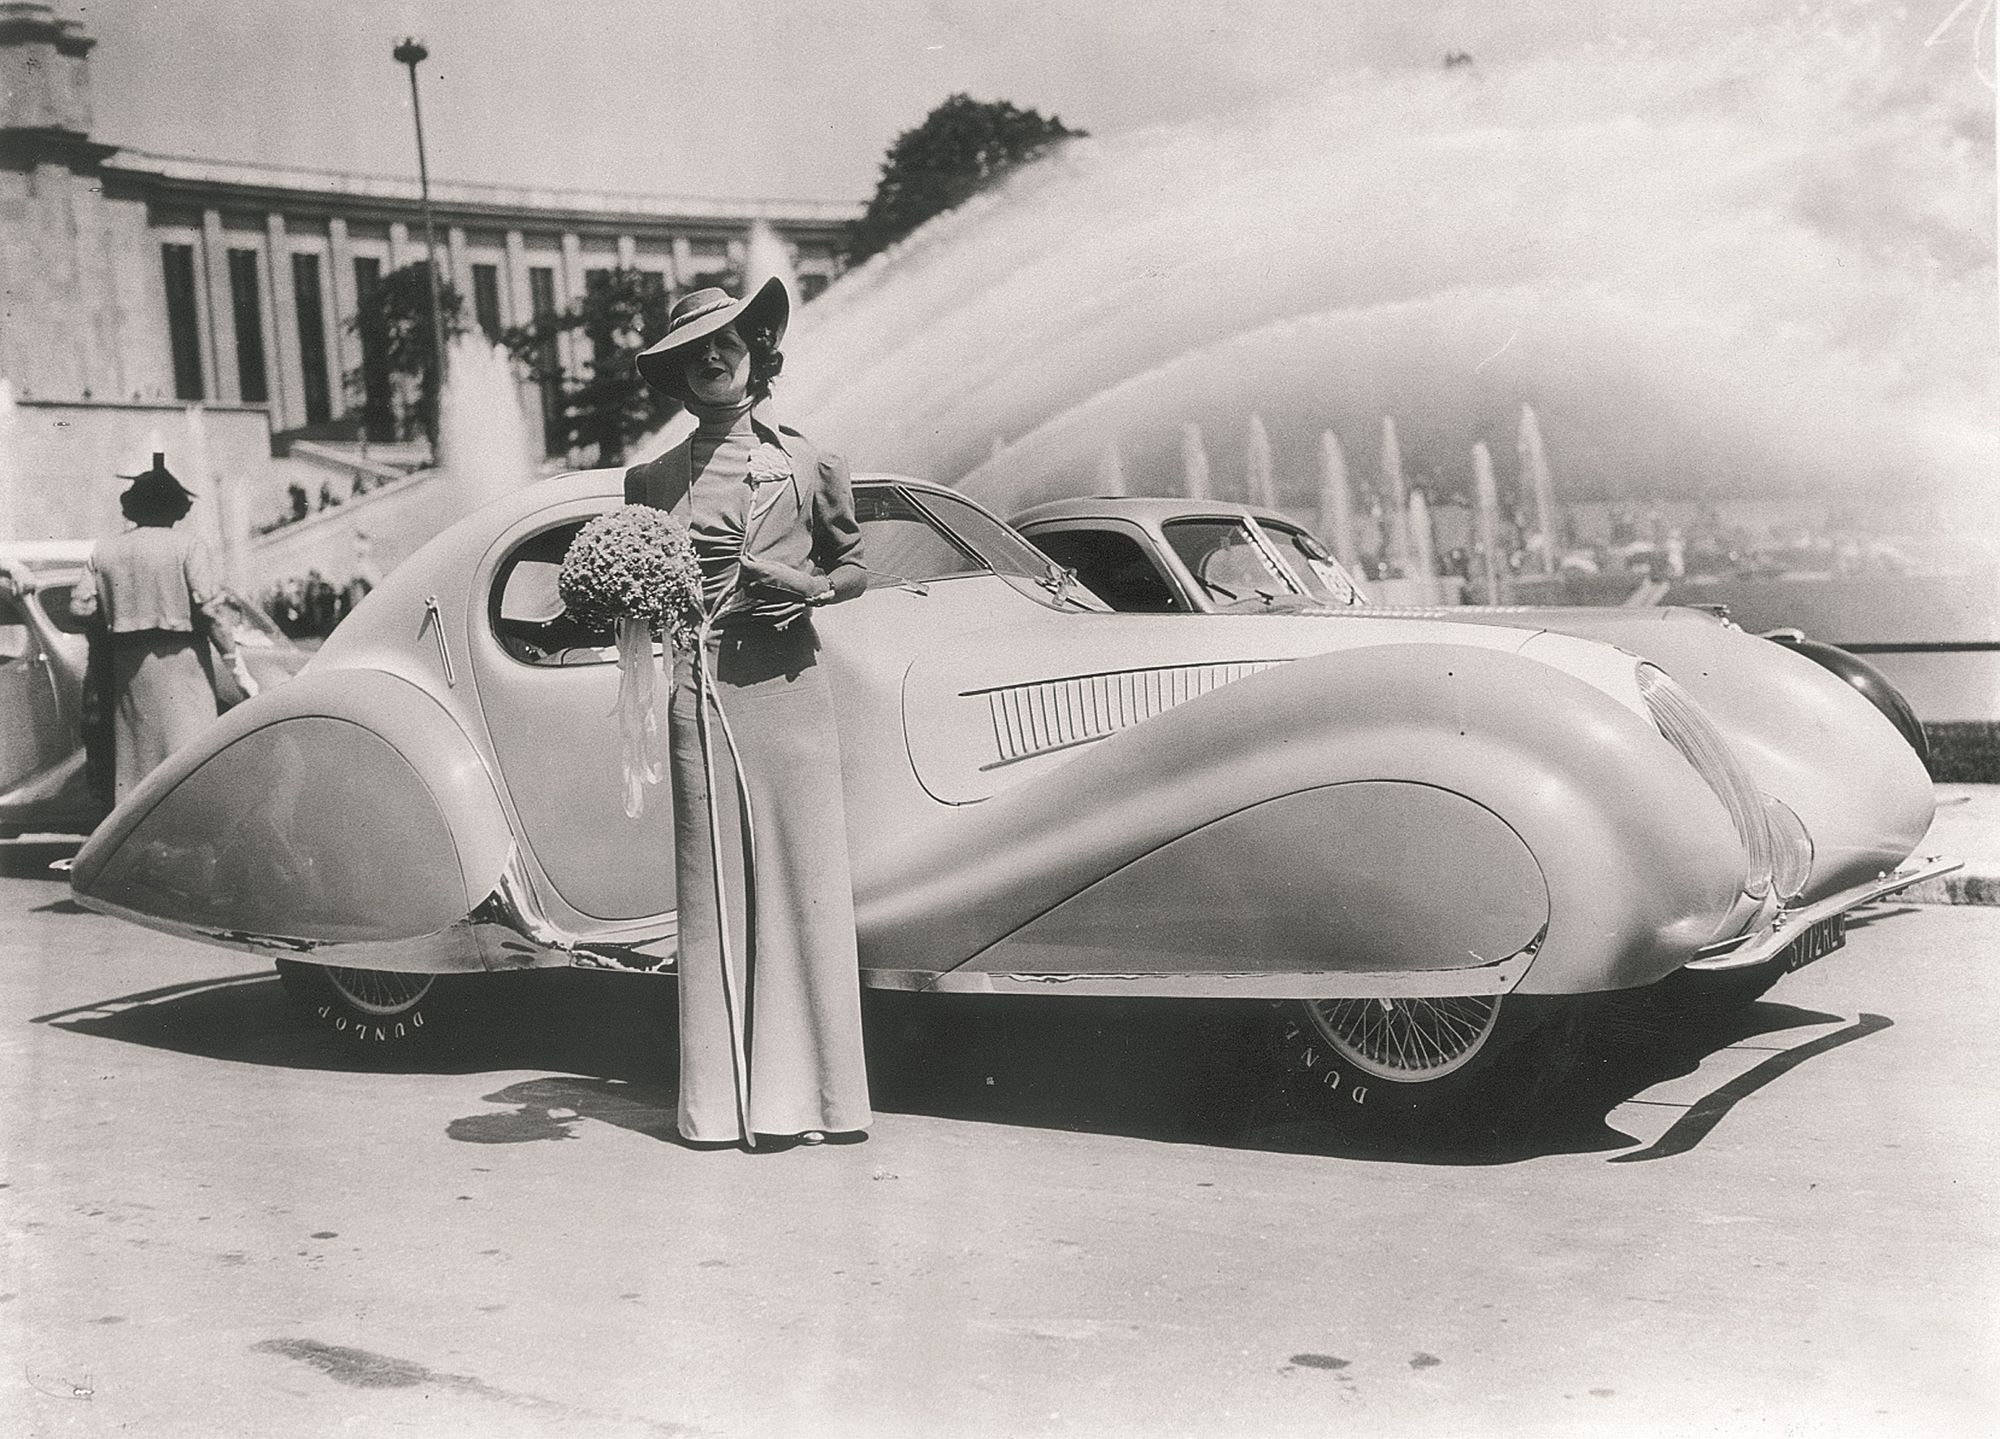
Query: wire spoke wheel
pixel 1409 1041
pixel 380 992
pixel 367 1006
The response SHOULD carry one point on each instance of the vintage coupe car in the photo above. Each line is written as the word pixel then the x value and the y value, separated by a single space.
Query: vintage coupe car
pixel 1179 556
pixel 1419 837
pixel 45 772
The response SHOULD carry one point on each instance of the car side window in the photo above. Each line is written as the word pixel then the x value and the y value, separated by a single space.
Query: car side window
pixel 528 615
pixel 17 643
pixel 1116 568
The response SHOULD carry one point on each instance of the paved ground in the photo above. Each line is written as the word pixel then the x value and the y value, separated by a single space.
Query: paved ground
pixel 1968 828
pixel 1076 1224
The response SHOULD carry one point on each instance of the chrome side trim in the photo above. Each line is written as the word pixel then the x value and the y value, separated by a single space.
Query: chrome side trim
pixel 1767 943
pixel 1047 715
pixel 1399 984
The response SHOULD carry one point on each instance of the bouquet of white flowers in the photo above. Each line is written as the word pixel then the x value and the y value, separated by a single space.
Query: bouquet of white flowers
pixel 634 568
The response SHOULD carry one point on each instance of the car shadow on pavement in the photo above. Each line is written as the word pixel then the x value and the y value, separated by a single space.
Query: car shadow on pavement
pixel 31 858
pixel 618 1026
pixel 1188 1072
pixel 1206 1074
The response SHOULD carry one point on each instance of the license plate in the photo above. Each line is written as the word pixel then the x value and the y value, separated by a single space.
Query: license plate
pixel 1817 942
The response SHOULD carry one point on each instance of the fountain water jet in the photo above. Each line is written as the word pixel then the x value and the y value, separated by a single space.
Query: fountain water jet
pixel 1397 499
pixel 1535 475
pixel 1260 487
pixel 1423 549
pixel 1195 481
pixel 765 255
pixel 1652 241
pixel 485 447
pixel 1111 472
pixel 1487 504
pixel 1336 506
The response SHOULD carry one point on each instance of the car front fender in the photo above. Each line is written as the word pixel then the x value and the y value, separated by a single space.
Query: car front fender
pixel 1636 856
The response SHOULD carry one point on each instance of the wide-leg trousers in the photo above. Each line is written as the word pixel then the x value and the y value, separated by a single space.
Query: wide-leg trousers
pixel 791 911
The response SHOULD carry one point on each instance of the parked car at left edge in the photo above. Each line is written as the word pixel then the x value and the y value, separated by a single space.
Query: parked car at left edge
pixel 45 772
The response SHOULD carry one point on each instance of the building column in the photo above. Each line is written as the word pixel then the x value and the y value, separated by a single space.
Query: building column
pixel 344 349
pixel 287 394
pixel 683 267
pixel 569 291
pixel 628 253
pixel 520 304
pixel 227 389
pixel 399 246
pixel 460 270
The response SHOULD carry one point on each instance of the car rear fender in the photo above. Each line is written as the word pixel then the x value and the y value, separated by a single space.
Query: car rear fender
pixel 343 810
pixel 1635 856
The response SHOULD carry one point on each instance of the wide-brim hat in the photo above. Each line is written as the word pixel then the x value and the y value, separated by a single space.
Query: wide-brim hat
pixel 156 489
pixel 699 314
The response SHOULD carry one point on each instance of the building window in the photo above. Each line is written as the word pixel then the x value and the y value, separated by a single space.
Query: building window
pixel 542 296
pixel 378 415
pixel 486 300
pixel 312 338
pixel 183 321
pixel 811 286
pixel 248 307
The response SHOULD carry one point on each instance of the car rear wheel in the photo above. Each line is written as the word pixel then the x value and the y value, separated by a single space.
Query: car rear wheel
pixel 368 1006
pixel 1421 1065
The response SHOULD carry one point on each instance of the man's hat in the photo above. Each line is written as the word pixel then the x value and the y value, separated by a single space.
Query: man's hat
pixel 156 490
pixel 699 314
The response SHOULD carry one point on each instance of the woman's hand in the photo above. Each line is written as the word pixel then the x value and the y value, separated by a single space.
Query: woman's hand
pixel 783 580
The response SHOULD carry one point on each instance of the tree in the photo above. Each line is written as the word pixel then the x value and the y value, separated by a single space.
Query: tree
pixel 963 146
pixel 608 406
pixel 397 381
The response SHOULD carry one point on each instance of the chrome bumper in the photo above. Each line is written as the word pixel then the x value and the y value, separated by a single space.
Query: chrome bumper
pixel 1762 945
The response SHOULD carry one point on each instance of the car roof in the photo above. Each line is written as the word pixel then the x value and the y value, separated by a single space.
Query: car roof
pixel 1147 509
pixel 44 555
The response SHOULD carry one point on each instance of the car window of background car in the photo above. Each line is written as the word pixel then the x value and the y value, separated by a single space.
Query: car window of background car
pixel 1116 567
pixel 1226 559
pixel 54 600
pixel 15 641
pixel 1316 570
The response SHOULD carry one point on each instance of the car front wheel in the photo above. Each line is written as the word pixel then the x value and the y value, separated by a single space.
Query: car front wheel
pixel 368 1006
pixel 1416 1065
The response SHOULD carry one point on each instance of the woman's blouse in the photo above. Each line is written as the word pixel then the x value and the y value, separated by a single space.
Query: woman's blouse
pixel 149 578
pixel 719 498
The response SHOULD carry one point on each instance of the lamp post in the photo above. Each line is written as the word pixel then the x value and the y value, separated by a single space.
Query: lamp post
pixel 412 54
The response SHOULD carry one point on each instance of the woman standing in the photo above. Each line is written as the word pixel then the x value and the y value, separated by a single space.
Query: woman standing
pixel 772 521
pixel 154 595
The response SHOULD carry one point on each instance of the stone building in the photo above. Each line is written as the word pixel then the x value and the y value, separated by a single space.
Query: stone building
pixel 159 302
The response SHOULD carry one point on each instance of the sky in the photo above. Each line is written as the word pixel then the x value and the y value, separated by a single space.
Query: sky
pixel 770 98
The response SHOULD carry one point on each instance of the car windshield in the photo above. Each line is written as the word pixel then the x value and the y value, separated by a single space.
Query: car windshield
pixel 1317 572
pixel 914 536
pixel 1226 559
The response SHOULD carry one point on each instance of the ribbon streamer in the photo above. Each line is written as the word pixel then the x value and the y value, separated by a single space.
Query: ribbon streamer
pixel 642 696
